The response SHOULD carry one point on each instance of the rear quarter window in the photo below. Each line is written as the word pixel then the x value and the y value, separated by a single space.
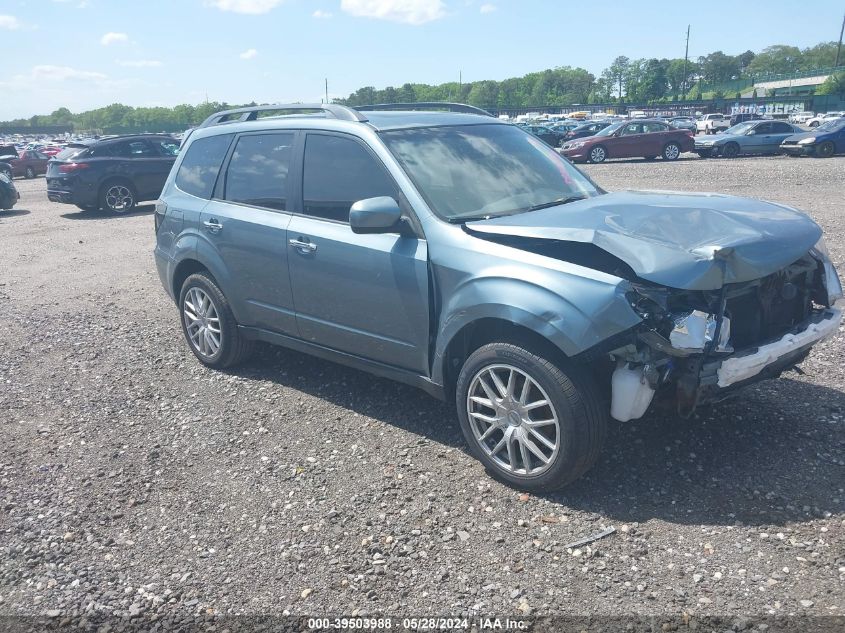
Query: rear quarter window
pixel 198 172
pixel 72 152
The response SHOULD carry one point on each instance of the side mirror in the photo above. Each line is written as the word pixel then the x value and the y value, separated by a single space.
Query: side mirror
pixel 375 215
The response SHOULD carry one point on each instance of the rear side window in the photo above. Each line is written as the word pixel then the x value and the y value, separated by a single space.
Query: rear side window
pixel 166 146
pixel 258 170
pixel 71 152
pixel 198 171
pixel 338 173
pixel 132 149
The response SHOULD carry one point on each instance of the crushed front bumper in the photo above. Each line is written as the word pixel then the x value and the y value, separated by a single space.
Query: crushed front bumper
pixel 798 150
pixel 747 364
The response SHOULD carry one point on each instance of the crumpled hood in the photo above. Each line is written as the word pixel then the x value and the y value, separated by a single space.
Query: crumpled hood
pixel 693 241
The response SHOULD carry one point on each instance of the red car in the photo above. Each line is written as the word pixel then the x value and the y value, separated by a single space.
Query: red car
pixel 628 139
pixel 29 164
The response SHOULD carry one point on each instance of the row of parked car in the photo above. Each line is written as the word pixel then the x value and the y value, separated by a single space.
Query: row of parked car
pixel 650 138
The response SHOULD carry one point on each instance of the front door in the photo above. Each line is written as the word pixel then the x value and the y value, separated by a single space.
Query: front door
pixel 365 295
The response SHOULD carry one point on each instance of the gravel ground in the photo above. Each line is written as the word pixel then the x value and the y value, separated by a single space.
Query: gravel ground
pixel 137 484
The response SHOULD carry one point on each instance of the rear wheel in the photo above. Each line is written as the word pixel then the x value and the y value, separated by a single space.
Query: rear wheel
pixel 209 325
pixel 825 150
pixel 118 196
pixel 533 423
pixel 731 150
pixel 671 151
pixel 598 154
pixel 87 207
pixel 29 174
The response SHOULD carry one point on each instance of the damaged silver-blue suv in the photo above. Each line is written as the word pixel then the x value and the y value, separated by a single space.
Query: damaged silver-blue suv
pixel 460 254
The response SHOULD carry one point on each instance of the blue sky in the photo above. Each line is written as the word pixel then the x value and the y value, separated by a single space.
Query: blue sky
pixel 89 53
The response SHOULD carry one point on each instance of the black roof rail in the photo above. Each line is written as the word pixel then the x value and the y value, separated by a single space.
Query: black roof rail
pixel 426 105
pixel 250 113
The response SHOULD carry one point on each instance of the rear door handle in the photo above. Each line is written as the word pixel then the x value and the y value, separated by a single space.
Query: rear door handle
pixel 301 245
pixel 213 225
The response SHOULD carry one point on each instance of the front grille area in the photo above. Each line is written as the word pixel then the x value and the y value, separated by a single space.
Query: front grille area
pixel 772 306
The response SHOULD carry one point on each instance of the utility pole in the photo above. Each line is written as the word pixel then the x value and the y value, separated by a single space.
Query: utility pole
pixel 839 48
pixel 460 83
pixel 327 89
pixel 686 57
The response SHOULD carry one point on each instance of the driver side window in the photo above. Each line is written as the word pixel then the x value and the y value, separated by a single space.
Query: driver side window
pixel 632 128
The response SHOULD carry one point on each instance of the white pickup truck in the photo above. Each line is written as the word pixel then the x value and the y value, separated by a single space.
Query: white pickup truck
pixel 712 123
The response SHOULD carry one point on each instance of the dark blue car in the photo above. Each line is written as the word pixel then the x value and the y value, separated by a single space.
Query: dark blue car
pixel 825 141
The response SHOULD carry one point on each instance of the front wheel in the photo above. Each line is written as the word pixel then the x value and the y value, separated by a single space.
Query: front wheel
pixel 705 153
pixel 598 154
pixel 209 325
pixel 30 173
pixel 731 150
pixel 671 151
pixel 533 423
pixel 825 150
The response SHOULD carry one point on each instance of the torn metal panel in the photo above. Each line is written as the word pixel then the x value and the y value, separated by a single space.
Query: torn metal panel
pixel 680 240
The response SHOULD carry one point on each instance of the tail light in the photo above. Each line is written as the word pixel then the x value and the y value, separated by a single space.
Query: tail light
pixel 69 168
pixel 160 212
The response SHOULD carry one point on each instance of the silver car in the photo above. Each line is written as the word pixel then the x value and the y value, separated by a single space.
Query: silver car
pixel 750 137
pixel 462 255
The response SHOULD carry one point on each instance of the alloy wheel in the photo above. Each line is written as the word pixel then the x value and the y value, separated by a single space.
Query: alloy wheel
pixel 513 420
pixel 202 322
pixel 597 154
pixel 119 198
pixel 671 151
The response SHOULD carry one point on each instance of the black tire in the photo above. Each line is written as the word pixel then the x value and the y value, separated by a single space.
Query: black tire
pixel 730 150
pixel 671 151
pixel 29 174
pixel 581 414
pixel 233 347
pixel 598 154
pixel 705 153
pixel 118 196
pixel 825 150
pixel 86 207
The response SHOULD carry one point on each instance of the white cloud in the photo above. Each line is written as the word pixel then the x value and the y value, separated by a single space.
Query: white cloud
pixel 249 54
pixel 112 38
pixel 251 7
pixel 405 11
pixel 9 22
pixel 140 63
pixel 322 15
pixel 487 8
pixel 64 73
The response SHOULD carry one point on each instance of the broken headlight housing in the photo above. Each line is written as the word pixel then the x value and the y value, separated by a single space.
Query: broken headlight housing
pixel 696 330
pixel 832 283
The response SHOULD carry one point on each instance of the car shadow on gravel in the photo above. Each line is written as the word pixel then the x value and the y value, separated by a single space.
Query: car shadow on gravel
pixel 11 213
pixel 144 209
pixel 770 456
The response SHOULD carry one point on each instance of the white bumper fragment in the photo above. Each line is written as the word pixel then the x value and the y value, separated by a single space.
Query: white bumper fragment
pixel 740 368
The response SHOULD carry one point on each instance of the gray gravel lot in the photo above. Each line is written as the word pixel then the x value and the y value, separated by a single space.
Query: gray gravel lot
pixel 135 482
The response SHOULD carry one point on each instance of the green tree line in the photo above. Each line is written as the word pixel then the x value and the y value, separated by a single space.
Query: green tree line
pixel 625 80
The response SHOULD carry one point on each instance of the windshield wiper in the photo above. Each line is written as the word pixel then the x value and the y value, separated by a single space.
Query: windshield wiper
pixel 536 207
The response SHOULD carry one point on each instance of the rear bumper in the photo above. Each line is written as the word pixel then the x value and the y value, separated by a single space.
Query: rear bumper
pixel 74 192
pixel 165 266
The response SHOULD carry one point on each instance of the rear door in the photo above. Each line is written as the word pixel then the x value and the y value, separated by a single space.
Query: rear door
pixel 366 295
pixel 779 131
pixel 136 160
pixel 246 224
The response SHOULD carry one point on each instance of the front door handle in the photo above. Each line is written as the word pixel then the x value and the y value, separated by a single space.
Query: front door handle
pixel 213 226
pixel 302 246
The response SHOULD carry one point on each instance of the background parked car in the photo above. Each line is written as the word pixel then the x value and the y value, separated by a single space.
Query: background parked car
pixel 800 117
pixel 743 117
pixel 683 123
pixel 586 129
pixel 545 134
pixel 644 137
pixel 113 174
pixel 29 164
pixel 712 123
pixel 824 141
pixel 751 137
pixel 819 119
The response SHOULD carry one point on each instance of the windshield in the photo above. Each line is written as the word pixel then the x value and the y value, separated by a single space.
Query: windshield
pixel 741 128
pixel 482 171
pixel 610 129
pixel 831 126
pixel 71 151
